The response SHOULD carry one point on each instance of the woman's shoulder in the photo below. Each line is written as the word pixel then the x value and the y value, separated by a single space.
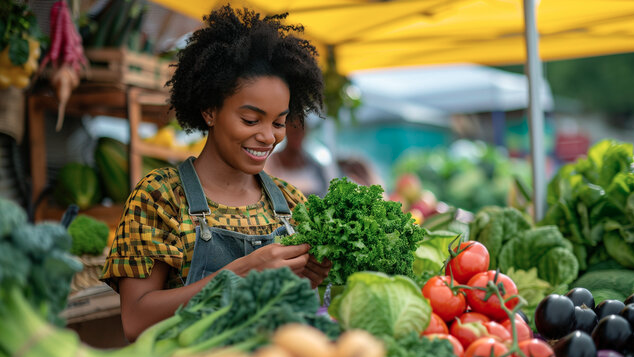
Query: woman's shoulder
pixel 160 179
pixel 292 193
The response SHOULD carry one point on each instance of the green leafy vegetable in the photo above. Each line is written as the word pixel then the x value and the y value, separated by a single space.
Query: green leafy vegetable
pixel 89 234
pixel 381 305
pixel 357 230
pixel 591 201
pixel 414 345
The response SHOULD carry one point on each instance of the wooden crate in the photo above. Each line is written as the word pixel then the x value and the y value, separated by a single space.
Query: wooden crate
pixel 118 65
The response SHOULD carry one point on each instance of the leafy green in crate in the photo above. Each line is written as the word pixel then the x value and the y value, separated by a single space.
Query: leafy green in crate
pixel 356 229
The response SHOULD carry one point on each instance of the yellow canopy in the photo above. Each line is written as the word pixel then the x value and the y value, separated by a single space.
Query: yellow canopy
pixel 375 34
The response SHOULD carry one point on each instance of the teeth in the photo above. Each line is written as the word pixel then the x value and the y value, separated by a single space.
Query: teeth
pixel 257 153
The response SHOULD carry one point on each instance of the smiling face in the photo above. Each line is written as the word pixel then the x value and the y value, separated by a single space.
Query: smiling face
pixel 250 123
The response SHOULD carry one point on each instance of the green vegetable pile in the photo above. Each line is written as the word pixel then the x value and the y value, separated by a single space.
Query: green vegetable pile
pixel 35 260
pixel 90 235
pixel 391 308
pixel 592 203
pixel 357 230
pixel 241 312
pixel 468 175
pixel 513 242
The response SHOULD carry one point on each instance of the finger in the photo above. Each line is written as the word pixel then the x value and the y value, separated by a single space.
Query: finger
pixel 298 262
pixel 325 262
pixel 293 251
pixel 318 271
pixel 314 279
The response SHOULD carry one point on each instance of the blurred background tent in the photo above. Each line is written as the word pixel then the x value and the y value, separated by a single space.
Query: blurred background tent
pixel 369 34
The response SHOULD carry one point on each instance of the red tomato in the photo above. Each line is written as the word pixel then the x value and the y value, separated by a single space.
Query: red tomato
pixel 436 325
pixel 442 299
pixel 471 316
pixel 457 347
pixel 486 347
pixel 535 348
pixel 492 306
pixel 498 331
pixel 472 259
pixel 522 329
pixel 468 332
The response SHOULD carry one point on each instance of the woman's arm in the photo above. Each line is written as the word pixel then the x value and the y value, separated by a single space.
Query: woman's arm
pixel 144 302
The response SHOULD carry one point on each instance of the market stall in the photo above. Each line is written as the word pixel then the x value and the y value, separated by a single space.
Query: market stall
pixel 449 283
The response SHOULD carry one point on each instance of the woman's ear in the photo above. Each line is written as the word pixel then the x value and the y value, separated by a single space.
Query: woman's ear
pixel 208 116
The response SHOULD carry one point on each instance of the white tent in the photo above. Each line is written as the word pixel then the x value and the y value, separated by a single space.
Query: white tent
pixel 453 89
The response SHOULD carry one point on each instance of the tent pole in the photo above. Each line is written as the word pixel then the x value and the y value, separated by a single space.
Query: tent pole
pixel 536 114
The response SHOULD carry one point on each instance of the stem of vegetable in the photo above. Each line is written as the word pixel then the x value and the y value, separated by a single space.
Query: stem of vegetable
pixel 514 349
pixel 189 335
pixel 218 339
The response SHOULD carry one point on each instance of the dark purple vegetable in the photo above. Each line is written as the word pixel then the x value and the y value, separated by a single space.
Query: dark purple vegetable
pixel 608 353
pixel 523 316
pixel 612 332
pixel 628 314
pixel 608 307
pixel 575 344
pixel 585 319
pixel 629 300
pixel 554 316
pixel 581 296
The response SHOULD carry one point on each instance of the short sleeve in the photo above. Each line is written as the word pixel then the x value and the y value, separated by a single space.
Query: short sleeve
pixel 291 193
pixel 149 230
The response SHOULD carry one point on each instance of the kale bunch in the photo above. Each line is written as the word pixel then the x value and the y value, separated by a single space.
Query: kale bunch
pixel 236 311
pixel 357 230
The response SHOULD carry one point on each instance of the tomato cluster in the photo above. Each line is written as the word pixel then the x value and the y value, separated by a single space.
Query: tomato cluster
pixel 467 310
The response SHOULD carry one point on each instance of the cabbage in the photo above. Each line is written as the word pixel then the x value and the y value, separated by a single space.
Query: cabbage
pixel 381 305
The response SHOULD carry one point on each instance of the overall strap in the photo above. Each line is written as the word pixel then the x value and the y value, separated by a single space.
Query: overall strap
pixel 280 206
pixel 196 199
pixel 194 193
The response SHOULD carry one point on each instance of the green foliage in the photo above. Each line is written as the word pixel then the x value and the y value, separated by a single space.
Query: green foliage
pixel 381 305
pixel 356 230
pixel 467 175
pixel 514 244
pixel 232 310
pixel 619 281
pixel 34 259
pixel 17 23
pixel 414 345
pixel 12 216
pixel 591 201
pixel 89 234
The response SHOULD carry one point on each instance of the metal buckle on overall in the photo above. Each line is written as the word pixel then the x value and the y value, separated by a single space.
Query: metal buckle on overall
pixel 285 219
pixel 205 231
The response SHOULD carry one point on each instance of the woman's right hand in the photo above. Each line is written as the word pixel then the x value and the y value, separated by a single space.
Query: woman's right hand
pixel 275 255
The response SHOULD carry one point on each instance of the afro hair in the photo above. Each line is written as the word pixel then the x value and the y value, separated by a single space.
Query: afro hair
pixel 238 45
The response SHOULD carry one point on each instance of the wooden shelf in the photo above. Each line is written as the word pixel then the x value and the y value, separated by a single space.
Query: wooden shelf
pixel 92 303
pixel 134 103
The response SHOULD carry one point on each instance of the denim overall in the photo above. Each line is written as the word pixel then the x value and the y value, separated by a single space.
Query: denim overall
pixel 216 247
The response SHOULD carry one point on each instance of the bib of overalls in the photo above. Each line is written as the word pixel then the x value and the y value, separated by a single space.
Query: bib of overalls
pixel 216 247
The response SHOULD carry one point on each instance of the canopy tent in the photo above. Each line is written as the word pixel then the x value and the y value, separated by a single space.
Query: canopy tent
pixel 369 34
pixel 454 89
pixel 366 34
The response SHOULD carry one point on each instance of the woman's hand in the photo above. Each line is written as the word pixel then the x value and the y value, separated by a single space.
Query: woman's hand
pixel 315 271
pixel 275 255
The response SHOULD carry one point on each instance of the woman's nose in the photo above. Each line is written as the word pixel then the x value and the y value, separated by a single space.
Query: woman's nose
pixel 266 136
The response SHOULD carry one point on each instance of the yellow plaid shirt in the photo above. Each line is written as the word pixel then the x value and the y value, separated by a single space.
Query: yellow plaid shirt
pixel 155 225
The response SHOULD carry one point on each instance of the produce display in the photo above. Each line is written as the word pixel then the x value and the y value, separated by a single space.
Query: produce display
pixel 19 45
pixel 357 230
pixel 78 184
pixel 89 235
pixel 579 328
pixel 467 174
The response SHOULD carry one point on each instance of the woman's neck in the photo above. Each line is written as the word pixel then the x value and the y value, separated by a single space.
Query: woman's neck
pixel 226 185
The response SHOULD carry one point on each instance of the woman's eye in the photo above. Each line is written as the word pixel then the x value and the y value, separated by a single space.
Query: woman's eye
pixel 249 122
pixel 279 125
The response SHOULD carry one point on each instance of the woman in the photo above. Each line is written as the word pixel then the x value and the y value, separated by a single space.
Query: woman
pixel 242 78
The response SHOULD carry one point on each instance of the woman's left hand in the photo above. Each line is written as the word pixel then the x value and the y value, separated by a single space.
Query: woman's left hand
pixel 315 271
